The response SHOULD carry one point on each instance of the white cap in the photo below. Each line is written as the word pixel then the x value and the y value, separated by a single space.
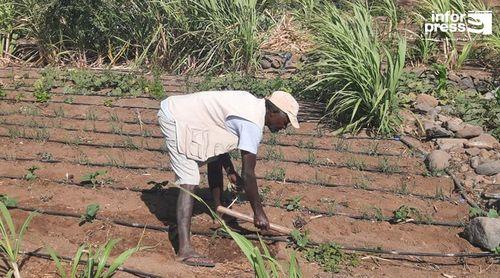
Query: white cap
pixel 286 103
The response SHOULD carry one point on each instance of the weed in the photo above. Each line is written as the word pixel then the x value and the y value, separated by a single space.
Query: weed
pixel 69 100
pixel 373 148
pixel 46 156
pixel 11 240
pixel 30 175
pixel 8 201
pixel 311 158
pixel 293 203
pixel 19 97
pixel 90 115
pixel 96 260
pixel 116 129
pixel 59 112
pixel 384 166
pixel 341 145
pixel 114 117
pixel 94 178
pixel 404 213
pixel 2 92
pixel 15 133
pixel 128 143
pixel 355 164
pixel 363 183
pixel 374 212
pixel 42 135
pixel 146 133
pixel 276 174
pixel 496 250
pixel 264 193
pixel 330 256
pixel 30 110
pixel 90 214
pixel 272 154
pixel 42 89
pixel 476 212
pixel 108 103
pixel 301 240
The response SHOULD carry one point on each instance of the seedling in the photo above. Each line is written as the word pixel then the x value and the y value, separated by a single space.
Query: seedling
pixel 90 115
pixel 114 117
pixel 2 91
pixel 355 164
pixel 108 102
pixel 384 166
pixel 46 156
pixel 30 175
pixel 306 145
pixel 330 256
pixel 300 239
pixel 42 90
pixel 59 112
pixel 273 154
pixel 405 213
pixel 403 189
pixel 440 193
pixel 90 214
pixel 94 261
pixel 374 212
pixel 94 178
pixel 69 100
pixel 41 135
pixel 476 211
pixel 311 158
pixel 276 174
pixel 116 129
pixel 264 193
pixel 11 240
pixel 129 144
pixel 496 251
pixel 8 201
pixel 373 148
pixel 341 145
pixel 293 203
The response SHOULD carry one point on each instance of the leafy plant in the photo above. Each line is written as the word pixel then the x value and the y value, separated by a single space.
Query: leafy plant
pixel 293 203
pixel 301 240
pixel 108 102
pixel 94 261
pixel 349 59
pixel 11 240
pixel 31 175
pixel 496 250
pixel 90 214
pixel 272 154
pixel 330 256
pixel 356 164
pixel 276 174
pixel 476 212
pixel 7 201
pixel 94 177
pixel 385 166
pixel 404 213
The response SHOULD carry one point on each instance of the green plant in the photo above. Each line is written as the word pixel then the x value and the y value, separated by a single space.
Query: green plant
pixel 496 250
pixel 355 164
pixel 272 154
pixel 276 174
pixel 108 102
pixel 385 166
pixel 90 214
pixel 94 261
pixel 301 240
pixel 311 158
pixel 293 203
pixel 349 58
pixel 11 240
pixel 7 201
pixel 2 92
pixel 264 193
pixel 90 115
pixel 30 175
pixel 330 256
pixel 476 212
pixel 441 73
pixel 404 213
pixel 374 212
pixel 94 178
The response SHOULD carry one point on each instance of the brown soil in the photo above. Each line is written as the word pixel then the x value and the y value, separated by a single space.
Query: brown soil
pixel 346 177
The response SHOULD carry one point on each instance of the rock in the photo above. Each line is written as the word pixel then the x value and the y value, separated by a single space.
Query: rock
pixel 432 130
pixel 437 160
pixel 472 151
pixel 483 153
pixel 474 162
pixel 483 141
pixel 453 124
pixel 432 114
pixel 493 192
pixel 275 63
pixel 427 99
pixel 450 143
pixel 488 168
pixel 469 131
pixel 489 95
pixel 265 64
pixel 464 168
pixel 443 118
pixel 496 180
pixel 483 232
pixel 423 107
pixel 466 83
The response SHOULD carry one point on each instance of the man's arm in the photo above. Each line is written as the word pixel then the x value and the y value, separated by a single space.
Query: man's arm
pixel 231 173
pixel 250 185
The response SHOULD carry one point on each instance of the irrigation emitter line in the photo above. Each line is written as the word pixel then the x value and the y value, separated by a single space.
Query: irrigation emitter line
pixel 270 204
pixel 154 123
pixel 264 142
pixel 253 236
pixel 395 191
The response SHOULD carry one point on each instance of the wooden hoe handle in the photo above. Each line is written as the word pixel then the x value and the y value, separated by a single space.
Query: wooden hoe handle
pixel 248 218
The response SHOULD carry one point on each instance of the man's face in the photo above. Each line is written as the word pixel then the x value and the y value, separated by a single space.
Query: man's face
pixel 278 122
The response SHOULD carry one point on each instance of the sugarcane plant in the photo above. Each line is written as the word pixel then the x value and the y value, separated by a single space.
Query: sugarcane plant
pixel 11 240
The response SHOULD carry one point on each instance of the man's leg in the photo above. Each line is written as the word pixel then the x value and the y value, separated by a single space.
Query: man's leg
pixel 215 181
pixel 184 213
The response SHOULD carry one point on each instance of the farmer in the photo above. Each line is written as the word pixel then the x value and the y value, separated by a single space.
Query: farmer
pixel 201 128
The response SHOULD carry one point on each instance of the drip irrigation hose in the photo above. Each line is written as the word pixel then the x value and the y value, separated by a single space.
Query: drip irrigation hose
pixel 270 204
pixel 291 181
pixel 265 142
pixel 253 236
pixel 456 180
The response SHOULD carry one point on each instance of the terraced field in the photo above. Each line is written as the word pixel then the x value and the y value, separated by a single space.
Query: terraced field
pixel 348 188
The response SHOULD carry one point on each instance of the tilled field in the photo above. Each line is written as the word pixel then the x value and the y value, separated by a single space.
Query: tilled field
pixel 350 188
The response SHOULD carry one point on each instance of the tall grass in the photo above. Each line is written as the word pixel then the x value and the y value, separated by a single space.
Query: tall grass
pixel 357 73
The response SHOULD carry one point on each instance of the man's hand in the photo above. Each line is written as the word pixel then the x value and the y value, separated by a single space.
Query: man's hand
pixel 260 221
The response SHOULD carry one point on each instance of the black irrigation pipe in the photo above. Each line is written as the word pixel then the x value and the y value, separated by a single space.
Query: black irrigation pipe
pixel 270 204
pixel 253 236
pixel 325 164
pixel 266 142
pixel 2 113
pixel 291 181
pixel 456 180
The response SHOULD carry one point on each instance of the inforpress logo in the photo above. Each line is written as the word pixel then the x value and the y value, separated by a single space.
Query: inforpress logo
pixel 477 22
